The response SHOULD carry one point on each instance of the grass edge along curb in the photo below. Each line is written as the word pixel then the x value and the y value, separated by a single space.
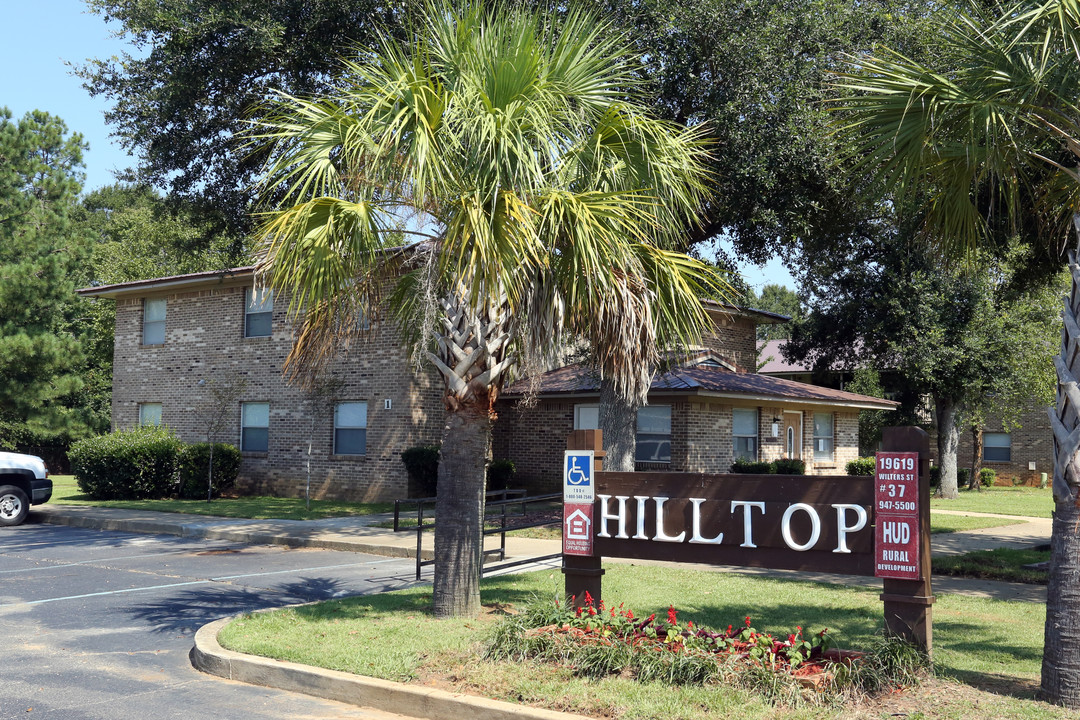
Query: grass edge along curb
pixel 210 657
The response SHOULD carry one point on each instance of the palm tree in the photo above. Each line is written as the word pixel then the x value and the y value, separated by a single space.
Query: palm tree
pixel 985 145
pixel 539 202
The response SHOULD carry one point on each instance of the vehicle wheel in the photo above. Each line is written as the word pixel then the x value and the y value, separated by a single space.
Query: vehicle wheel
pixel 13 505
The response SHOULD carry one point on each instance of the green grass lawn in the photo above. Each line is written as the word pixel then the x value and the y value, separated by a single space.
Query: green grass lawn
pixel 998 564
pixel 1026 501
pixel 979 643
pixel 940 523
pixel 66 492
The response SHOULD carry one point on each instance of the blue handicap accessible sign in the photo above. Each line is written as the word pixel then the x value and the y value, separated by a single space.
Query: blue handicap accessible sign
pixel 578 476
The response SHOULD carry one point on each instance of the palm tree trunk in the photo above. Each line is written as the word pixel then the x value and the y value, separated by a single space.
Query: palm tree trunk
pixel 618 420
pixel 472 355
pixel 947 440
pixel 459 512
pixel 1061 644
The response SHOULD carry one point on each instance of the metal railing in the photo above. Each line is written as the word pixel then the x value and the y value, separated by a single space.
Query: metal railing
pixel 509 505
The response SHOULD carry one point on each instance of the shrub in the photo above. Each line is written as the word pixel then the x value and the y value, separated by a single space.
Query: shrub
pixel 935 476
pixel 751 467
pixel 422 465
pixel 963 475
pixel 789 466
pixel 987 476
pixel 860 466
pixel 499 474
pixel 194 462
pixel 134 464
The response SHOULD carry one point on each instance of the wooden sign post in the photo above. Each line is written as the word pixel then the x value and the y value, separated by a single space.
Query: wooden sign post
pixel 908 601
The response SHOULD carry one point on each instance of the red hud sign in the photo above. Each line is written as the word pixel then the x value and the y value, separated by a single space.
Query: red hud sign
pixel 896 515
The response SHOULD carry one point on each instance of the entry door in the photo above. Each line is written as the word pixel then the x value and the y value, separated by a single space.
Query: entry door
pixel 793 435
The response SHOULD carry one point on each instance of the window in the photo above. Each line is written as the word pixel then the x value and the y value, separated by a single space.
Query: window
pixel 744 433
pixel 258 312
pixel 823 436
pixel 586 417
pixel 653 434
pixel 350 428
pixel 653 440
pixel 997 447
pixel 153 324
pixel 254 426
pixel 149 413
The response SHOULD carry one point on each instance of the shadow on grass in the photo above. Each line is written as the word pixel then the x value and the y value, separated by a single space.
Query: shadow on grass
pixel 996 683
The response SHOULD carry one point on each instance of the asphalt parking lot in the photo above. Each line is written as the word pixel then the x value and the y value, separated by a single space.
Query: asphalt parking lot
pixel 98 624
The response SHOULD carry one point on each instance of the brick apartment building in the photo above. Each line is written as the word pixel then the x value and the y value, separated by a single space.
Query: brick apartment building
pixel 1018 453
pixel 176 337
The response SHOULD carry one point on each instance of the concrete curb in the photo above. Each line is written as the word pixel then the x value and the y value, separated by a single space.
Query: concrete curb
pixel 393 697
pixel 247 537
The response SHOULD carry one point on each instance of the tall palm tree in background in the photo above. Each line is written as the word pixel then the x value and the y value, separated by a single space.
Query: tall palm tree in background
pixel 985 145
pixel 539 201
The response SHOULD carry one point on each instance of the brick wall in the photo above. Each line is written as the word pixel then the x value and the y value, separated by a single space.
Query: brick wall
pixel 735 340
pixel 535 437
pixel 205 341
pixel 1031 442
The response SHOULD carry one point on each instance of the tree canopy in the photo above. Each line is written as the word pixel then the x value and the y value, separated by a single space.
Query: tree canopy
pixel 972 341
pixel 197 68
pixel 755 72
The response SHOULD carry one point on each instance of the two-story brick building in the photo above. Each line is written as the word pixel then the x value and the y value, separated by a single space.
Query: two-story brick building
pixel 179 337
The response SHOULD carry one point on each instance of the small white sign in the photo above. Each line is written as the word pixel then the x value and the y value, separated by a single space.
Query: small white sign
pixel 578 486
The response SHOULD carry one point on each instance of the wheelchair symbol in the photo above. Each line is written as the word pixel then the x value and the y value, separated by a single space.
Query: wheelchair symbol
pixel 576 475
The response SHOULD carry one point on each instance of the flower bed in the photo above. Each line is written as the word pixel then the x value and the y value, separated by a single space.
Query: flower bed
pixel 595 641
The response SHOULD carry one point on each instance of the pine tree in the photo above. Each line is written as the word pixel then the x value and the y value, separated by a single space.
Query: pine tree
pixel 40 250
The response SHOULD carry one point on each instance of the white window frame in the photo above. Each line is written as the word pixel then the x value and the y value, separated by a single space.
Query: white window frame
pixel 824 445
pixel 151 409
pixel 339 427
pixel 157 327
pixel 993 441
pixel 246 423
pixel 258 303
pixel 738 453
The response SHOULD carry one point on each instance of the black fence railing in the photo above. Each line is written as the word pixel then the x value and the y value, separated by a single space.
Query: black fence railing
pixel 501 509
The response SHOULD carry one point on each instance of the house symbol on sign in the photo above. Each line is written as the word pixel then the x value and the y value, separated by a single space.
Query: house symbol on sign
pixel 578 526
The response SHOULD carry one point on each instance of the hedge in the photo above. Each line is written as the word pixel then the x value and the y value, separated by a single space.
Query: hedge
pixel 135 464
pixel 860 466
pixel 783 466
pixel 194 463
pixel 422 465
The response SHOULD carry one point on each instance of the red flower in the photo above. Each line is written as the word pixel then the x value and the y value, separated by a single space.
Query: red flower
pixel 672 617
pixel 588 598
pixel 747 621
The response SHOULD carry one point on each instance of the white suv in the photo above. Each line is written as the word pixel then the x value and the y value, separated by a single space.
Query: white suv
pixel 24 479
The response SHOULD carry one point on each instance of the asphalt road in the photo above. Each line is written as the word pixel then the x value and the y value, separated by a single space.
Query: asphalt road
pixel 98 625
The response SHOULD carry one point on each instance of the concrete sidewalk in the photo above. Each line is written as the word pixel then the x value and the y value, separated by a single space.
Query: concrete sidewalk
pixel 359 534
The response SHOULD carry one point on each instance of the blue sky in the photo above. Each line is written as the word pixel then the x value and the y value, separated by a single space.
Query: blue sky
pixel 38 37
